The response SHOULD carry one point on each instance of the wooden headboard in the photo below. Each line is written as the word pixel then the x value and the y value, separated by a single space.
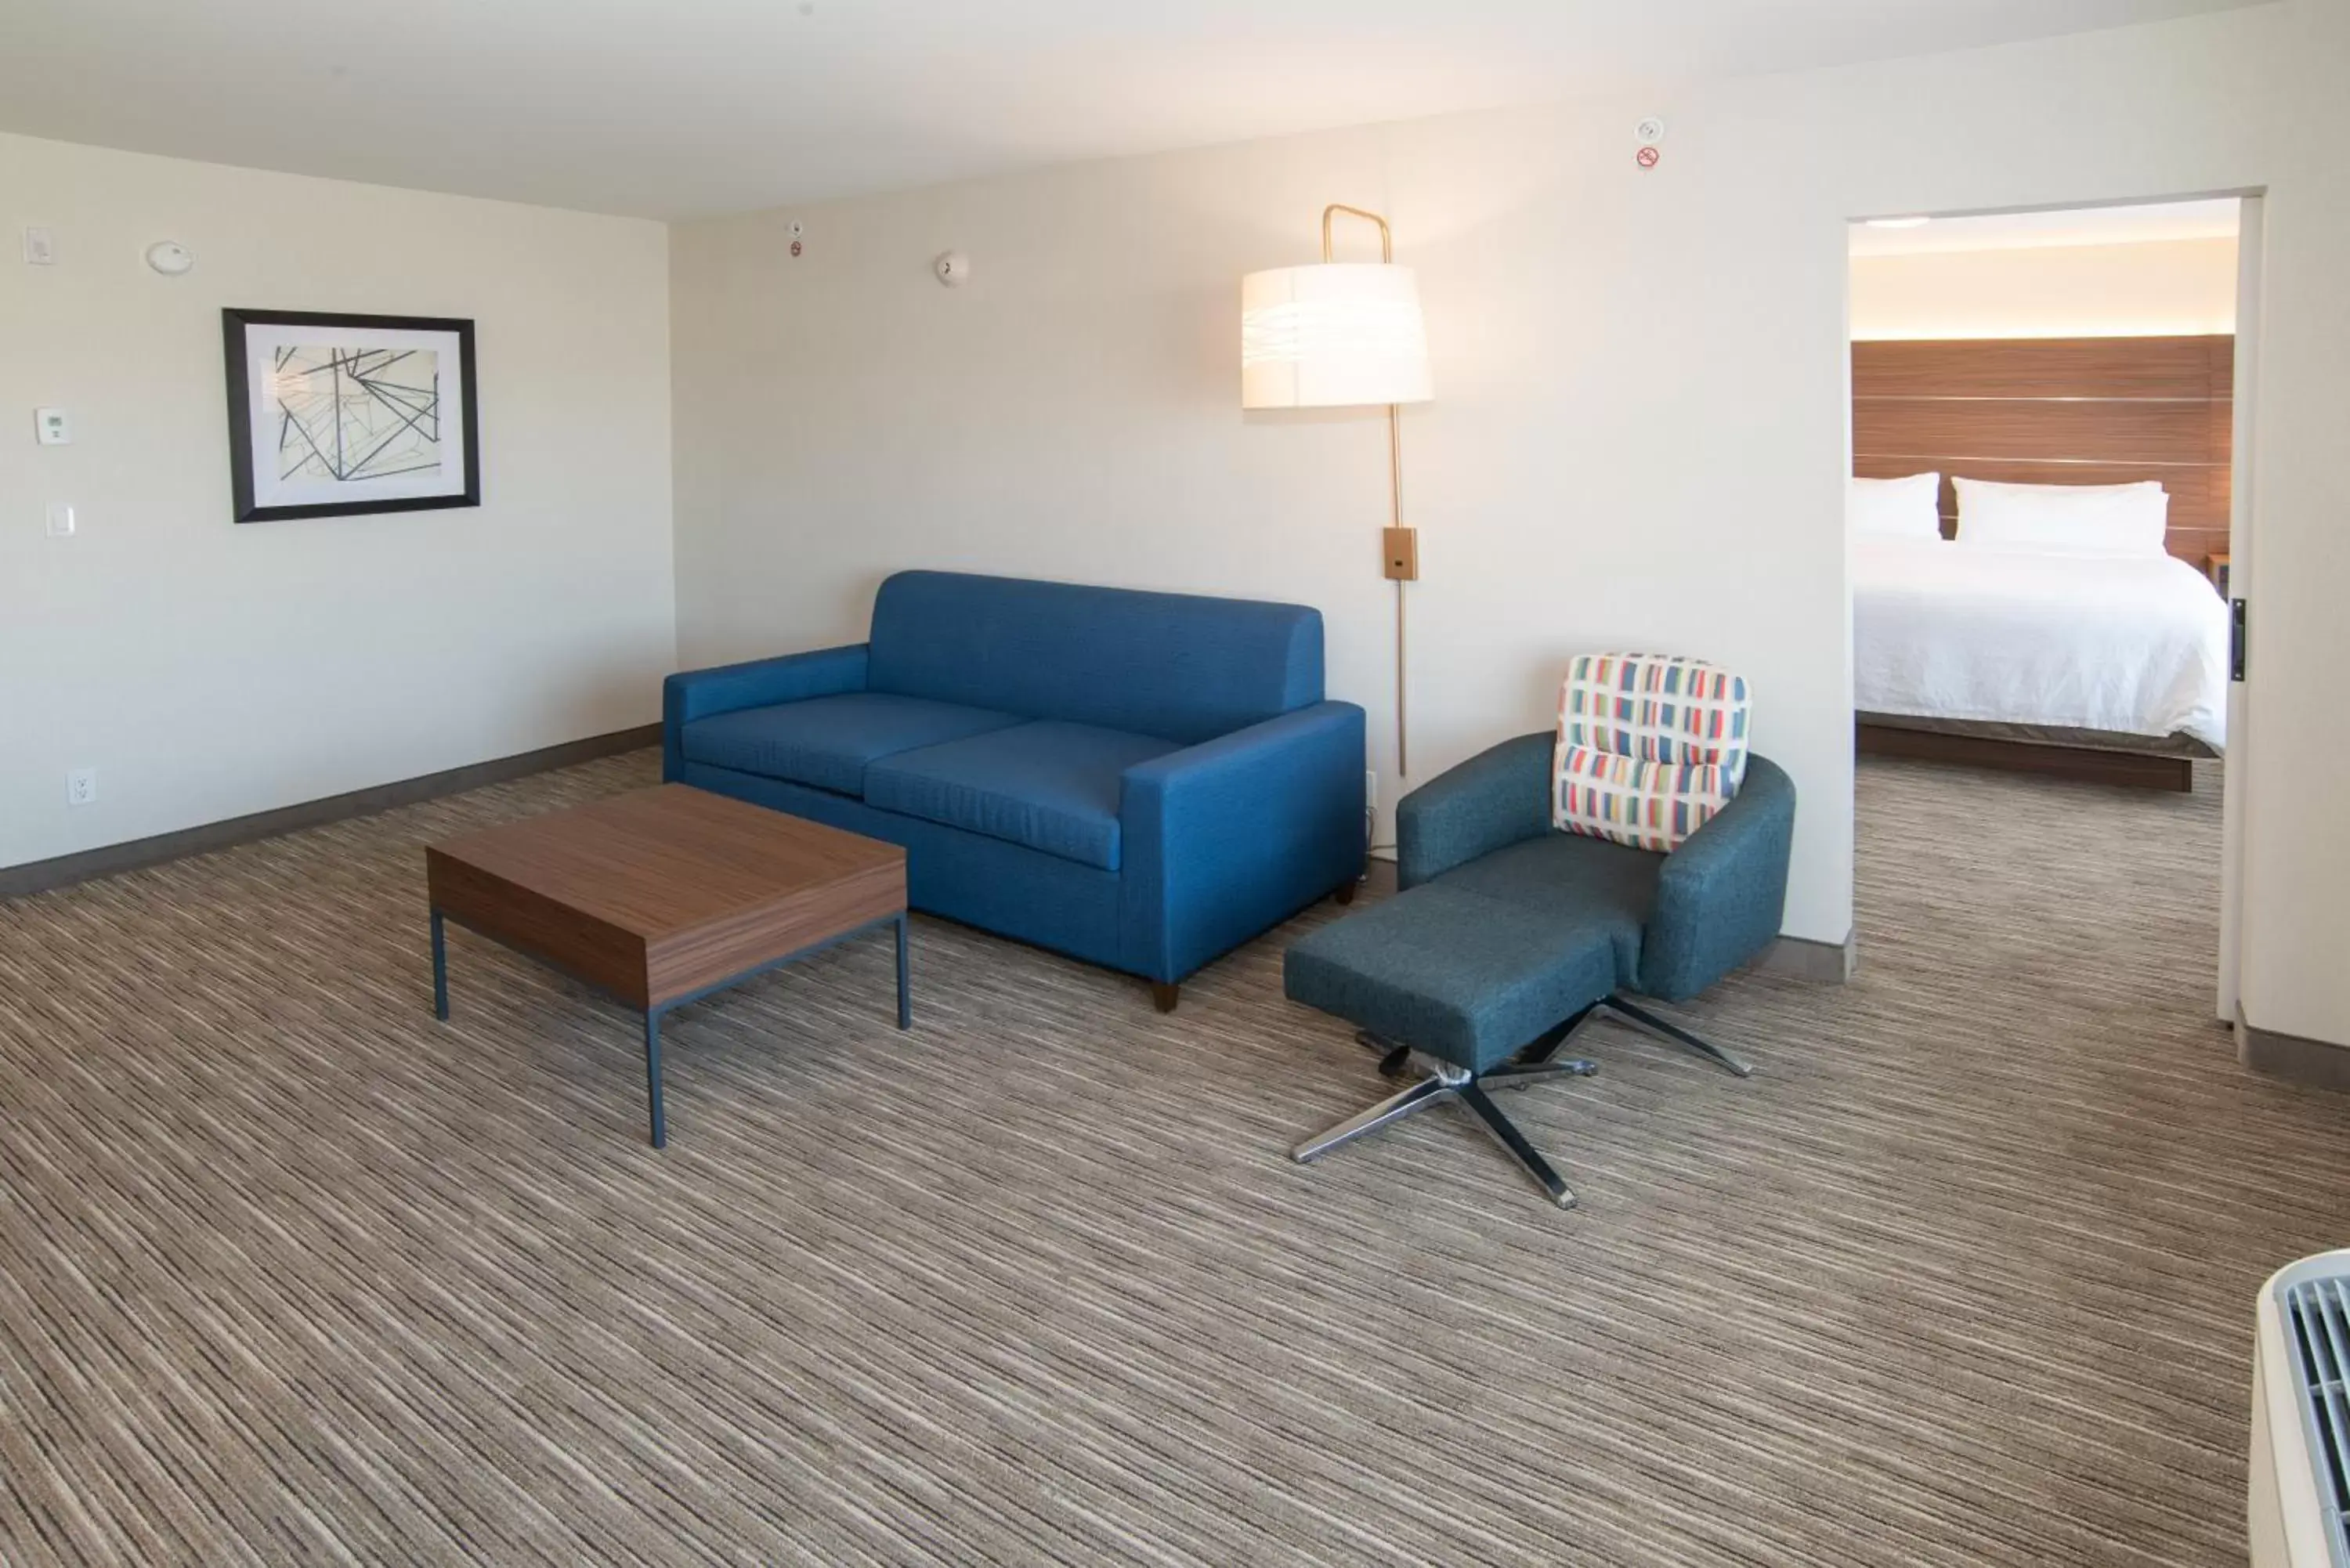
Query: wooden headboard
pixel 2056 410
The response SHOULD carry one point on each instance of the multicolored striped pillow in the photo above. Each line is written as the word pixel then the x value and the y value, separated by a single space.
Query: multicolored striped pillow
pixel 1649 747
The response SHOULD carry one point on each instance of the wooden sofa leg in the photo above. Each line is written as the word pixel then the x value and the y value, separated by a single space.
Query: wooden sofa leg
pixel 1163 996
pixel 1344 891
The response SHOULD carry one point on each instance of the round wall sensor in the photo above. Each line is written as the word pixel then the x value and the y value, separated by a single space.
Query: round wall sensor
pixel 954 268
pixel 796 230
pixel 170 257
pixel 1650 132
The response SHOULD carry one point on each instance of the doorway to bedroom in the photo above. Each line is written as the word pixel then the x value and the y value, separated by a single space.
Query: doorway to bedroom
pixel 2044 424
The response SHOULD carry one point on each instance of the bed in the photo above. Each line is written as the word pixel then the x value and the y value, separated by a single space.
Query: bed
pixel 2124 658
pixel 2085 665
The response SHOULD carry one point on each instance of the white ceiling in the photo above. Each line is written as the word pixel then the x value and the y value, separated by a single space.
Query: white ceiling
pixel 2073 226
pixel 677 107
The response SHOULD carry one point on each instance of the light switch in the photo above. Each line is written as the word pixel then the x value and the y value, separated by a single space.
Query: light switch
pixel 40 250
pixel 54 428
pixel 61 519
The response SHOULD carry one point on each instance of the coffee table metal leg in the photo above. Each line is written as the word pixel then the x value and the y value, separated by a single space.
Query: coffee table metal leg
pixel 653 1076
pixel 440 968
pixel 905 997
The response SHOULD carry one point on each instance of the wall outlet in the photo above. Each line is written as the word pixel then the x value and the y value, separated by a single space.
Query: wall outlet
pixel 52 427
pixel 81 787
pixel 40 249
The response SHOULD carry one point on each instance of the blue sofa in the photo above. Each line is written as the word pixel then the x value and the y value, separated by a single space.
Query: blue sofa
pixel 1143 780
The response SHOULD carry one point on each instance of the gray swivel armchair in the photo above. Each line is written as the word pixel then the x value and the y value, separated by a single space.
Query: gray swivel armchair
pixel 1510 936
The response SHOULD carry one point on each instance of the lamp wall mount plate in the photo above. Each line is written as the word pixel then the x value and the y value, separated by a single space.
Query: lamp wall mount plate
pixel 1400 550
pixel 171 258
pixel 954 268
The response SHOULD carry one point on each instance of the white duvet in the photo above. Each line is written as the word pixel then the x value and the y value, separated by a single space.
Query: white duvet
pixel 2133 644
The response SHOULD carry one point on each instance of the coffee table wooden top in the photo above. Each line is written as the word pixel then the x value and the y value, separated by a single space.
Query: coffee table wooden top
pixel 662 892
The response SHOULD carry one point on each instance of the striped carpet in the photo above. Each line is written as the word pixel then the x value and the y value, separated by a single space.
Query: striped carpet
pixel 289 1274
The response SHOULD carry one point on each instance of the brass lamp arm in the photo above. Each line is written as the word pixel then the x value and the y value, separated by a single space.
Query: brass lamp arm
pixel 1395 473
pixel 1386 236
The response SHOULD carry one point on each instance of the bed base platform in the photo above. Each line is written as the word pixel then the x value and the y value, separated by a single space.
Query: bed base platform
pixel 2139 764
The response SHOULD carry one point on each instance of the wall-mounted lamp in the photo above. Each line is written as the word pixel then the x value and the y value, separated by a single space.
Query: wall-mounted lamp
pixel 1345 335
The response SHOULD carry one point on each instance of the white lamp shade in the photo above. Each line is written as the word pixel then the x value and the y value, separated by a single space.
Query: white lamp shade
pixel 1332 334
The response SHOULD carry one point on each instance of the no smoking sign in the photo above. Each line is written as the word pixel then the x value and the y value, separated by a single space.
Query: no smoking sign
pixel 1648 137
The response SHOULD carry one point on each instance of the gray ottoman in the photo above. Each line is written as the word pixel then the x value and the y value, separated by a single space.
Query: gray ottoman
pixel 1467 989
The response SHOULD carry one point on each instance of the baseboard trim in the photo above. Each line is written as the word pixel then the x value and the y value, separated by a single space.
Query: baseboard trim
pixel 2292 1056
pixel 64 870
pixel 1801 957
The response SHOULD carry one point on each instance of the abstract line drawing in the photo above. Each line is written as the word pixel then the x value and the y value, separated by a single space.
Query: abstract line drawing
pixel 351 414
pixel 339 414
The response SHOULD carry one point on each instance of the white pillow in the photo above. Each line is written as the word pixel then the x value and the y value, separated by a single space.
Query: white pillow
pixel 1895 508
pixel 2064 519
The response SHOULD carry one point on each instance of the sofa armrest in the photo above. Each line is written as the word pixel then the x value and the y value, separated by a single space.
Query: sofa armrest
pixel 699 694
pixel 1720 897
pixel 1494 799
pixel 1224 839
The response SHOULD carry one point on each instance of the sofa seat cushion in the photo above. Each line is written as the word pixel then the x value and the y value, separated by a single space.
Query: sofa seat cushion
pixel 1593 884
pixel 1046 784
pixel 828 742
pixel 1462 976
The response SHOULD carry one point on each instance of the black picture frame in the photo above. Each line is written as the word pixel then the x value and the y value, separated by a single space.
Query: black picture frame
pixel 234 326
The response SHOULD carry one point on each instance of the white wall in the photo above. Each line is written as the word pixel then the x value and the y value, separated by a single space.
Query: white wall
pixel 1639 425
pixel 2296 887
pixel 209 669
pixel 1074 412
pixel 1640 385
pixel 2145 289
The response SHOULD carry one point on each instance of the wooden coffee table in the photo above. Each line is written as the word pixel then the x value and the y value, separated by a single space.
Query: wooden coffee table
pixel 661 897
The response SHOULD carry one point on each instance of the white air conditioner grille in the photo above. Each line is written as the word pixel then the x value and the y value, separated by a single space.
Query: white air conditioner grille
pixel 2318 1313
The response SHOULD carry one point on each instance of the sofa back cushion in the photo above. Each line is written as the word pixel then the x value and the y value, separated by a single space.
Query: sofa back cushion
pixel 1180 666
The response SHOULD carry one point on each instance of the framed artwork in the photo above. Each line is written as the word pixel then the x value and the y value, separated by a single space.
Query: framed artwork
pixel 334 416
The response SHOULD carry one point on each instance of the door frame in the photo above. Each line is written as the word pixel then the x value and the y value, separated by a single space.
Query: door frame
pixel 2236 760
pixel 2250 215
